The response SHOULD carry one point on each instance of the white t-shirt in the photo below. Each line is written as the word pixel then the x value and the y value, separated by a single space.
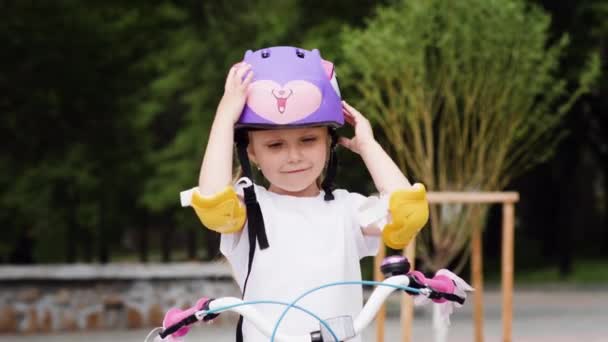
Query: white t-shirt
pixel 312 242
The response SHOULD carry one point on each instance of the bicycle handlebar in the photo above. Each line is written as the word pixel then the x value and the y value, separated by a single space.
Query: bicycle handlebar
pixel 443 287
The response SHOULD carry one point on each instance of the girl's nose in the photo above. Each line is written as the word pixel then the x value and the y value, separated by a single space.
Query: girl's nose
pixel 294 154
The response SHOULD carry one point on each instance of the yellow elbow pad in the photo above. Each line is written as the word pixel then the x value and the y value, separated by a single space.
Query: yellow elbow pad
pixel 223 213
pixel 409 211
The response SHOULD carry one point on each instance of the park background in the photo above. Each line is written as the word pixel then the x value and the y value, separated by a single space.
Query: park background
pixel 106 107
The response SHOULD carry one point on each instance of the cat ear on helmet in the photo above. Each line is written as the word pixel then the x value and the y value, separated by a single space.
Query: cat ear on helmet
pixel 328 67
pixel 331 74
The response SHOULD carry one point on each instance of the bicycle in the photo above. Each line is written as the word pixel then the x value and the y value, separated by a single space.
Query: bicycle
pixel 444 288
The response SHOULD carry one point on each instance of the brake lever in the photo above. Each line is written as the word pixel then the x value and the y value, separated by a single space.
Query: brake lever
pixel 414 283
pixel 447 296
pixel 190 316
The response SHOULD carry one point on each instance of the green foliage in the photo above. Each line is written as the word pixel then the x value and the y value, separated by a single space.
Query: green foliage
pixel 587 272
pixel 469 95
pixel 69 137
pixel 475 81
pixel 106 107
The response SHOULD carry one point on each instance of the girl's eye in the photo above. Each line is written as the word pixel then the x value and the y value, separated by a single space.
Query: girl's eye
pixel 309 139
pixel 275 145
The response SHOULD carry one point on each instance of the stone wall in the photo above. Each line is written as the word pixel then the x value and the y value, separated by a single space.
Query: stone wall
pixel 37 299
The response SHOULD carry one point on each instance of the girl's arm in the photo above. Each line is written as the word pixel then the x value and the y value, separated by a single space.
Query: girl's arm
pixel 408 207
pixel 216 169
pixel 385 173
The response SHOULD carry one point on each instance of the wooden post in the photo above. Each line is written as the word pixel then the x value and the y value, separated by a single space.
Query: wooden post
pixel 477 280
pixel 507 199
pixel 407 302
pixel 508 223
pixel 378 276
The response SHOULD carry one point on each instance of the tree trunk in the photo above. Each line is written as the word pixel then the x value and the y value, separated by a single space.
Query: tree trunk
pixel 71 252
pixel 212 242
pixel 605 213
pixel 87 244
pixel 143 248
pixel 104 255
pixel 191 244
pixel 144 251
pixel 165 243
pixel 23 253
pixel 567 217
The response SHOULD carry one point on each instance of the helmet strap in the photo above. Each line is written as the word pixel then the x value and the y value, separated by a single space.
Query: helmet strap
pixel 255 220
pixel 332 167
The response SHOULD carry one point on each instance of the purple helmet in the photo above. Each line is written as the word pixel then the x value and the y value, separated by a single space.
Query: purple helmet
pixel 291 87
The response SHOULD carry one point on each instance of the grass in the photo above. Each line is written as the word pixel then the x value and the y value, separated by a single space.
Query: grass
pixel 584 272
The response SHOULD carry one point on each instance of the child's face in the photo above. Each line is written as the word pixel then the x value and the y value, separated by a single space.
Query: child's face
pixel 291 159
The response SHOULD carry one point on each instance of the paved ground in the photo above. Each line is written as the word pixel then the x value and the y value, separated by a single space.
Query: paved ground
pixel 556 315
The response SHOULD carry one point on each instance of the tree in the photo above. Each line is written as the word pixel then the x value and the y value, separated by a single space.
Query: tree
pixel 468 95
pixel 580 167
pixel 105 110
pixel 70 141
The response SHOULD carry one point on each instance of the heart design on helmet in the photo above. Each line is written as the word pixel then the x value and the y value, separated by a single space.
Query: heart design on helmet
pixel 283 104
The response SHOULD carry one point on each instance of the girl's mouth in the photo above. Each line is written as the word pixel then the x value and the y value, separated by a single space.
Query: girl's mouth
pixel 296 171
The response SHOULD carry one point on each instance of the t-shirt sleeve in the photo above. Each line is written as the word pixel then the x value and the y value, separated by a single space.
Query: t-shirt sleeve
pixel 235 247
pixel 229 243
pixel 366 211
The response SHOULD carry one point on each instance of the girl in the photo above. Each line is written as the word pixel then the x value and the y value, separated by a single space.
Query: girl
pixel 281 106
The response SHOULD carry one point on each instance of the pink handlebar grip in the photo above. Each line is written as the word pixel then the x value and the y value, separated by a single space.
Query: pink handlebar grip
pixel 174 315
pixel 439 283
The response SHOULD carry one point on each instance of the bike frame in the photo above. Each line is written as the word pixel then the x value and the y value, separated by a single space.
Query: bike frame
pixel 443 289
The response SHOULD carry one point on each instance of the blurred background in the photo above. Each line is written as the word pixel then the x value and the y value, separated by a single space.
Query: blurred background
pixel 105 108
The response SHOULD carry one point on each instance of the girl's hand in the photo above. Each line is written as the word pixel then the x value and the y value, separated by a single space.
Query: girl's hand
pixel 235 92
pixel 364 135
